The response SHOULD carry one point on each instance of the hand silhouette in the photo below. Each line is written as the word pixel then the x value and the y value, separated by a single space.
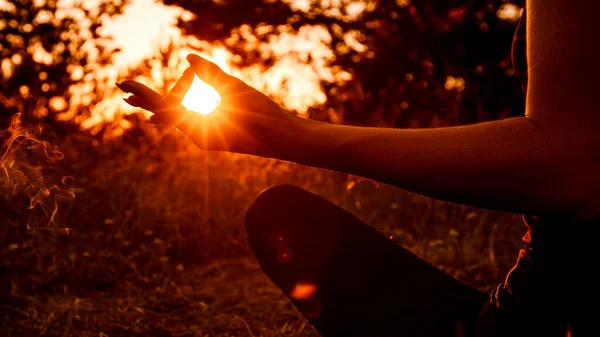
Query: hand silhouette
pixel 246 121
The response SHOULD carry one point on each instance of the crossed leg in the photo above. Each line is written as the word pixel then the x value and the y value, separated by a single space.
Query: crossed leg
pixel 349 280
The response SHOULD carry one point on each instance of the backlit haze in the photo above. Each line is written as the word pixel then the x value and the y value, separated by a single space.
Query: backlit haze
pixel 301 59
pixel 147 25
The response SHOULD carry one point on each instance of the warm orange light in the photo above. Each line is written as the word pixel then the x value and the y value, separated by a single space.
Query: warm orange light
pixel 201 97
pixel 303 291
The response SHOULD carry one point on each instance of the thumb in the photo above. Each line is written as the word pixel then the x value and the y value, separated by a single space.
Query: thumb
pixel 176 94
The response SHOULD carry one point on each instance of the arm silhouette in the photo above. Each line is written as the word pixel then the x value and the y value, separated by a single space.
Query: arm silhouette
pixel 544 163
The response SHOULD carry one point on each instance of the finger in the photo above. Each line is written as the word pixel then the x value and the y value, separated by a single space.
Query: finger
pixel 210 72
pixel 172 115
pixel 151 97
pixel 130 102
pixel 137 102
pixel 176 94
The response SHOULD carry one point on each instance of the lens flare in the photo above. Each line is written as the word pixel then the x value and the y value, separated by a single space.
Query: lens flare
pixel 201 97
pixel 303 291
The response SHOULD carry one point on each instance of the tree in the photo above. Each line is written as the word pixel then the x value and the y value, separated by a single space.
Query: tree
pixel 413 63
pixel 45 48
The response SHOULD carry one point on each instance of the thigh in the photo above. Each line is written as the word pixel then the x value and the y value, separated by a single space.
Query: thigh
pixel 348 279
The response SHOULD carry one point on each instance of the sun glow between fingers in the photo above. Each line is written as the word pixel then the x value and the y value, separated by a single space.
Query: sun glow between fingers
pixel 201 97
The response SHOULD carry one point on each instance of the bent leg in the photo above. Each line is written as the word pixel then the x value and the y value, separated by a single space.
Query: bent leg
pixel 348 279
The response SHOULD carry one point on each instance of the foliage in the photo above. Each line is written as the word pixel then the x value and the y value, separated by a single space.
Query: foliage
pixel 414 63
pixel 46 47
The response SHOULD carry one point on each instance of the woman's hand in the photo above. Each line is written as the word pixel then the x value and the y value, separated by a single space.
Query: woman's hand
pixel 246 121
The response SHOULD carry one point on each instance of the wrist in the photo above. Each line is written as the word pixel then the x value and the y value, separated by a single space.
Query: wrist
pixel 299 140
pixel 285 137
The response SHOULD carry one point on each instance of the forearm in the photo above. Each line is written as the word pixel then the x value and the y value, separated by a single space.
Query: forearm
pixel 508 165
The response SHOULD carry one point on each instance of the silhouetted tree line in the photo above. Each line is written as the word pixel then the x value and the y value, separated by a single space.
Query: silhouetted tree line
pixel 413 47
pixel 45 48
pixel 426 62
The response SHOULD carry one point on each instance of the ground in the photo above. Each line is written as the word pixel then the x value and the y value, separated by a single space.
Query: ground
pixel 226 298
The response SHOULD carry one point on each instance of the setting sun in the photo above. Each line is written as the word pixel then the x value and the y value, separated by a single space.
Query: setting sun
pixel 201 97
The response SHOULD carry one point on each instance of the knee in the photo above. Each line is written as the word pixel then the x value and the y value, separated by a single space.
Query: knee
pixel 270 217
pixel 275 204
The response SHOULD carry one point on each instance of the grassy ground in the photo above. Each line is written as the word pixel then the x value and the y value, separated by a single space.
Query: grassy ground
pixel 225 298
pixel 155 244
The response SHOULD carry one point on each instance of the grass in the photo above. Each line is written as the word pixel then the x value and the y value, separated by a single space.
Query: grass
pixel 225 298
pixel 155 244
